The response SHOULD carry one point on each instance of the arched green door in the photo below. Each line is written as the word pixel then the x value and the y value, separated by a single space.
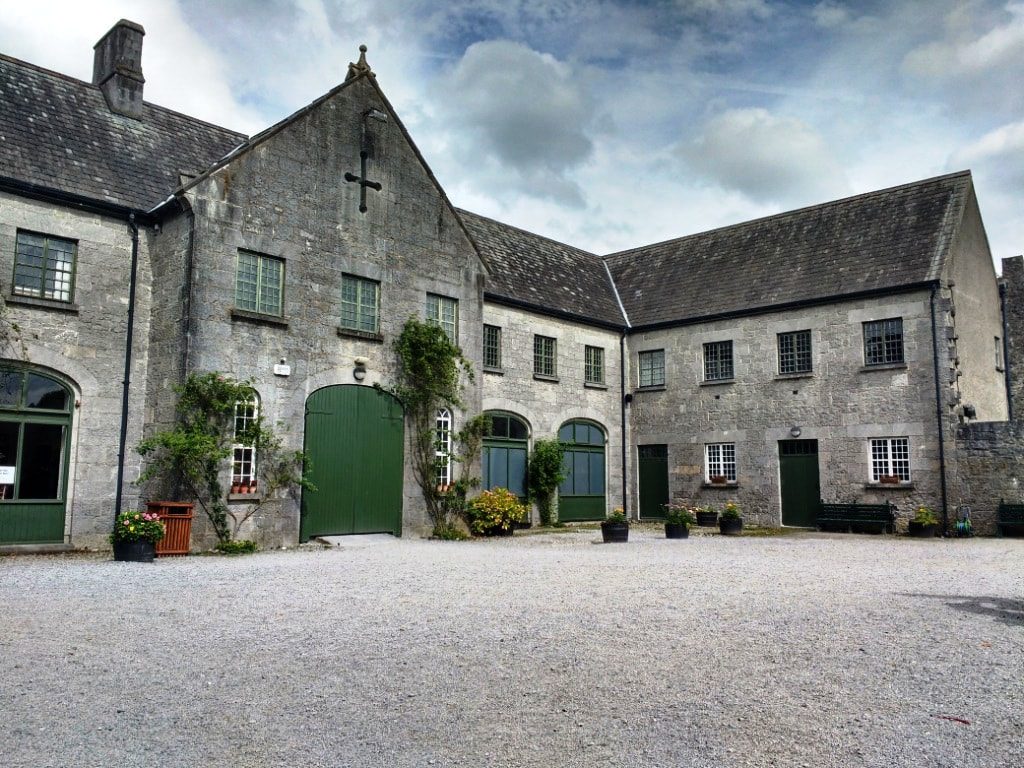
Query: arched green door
pixel 35 435
pixel 581 496
pixel 354 445
pixel 503 459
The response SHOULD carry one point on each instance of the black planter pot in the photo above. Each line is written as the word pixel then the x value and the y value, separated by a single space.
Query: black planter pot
pixel 615 532
pixel 730 526
pixel 707 519
pixel 676 531
pixel 922 530
pixel 499 531
pixel 134 551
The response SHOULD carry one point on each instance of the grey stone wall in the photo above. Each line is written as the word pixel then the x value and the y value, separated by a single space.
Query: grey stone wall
pixel 546 405
pixel 84 345
pixel 991 468
pixel 1013 280
pixel 841 404
pixel 287 198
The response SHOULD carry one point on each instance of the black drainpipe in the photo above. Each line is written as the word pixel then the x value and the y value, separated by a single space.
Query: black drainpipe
pixel 1006 353
pixel 127 361
pixel 622 405
pixel 939 415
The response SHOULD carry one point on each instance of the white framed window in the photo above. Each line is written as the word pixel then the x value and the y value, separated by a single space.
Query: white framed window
pixel 443 447
pixel 652 368
pixel 492 347
pixel 720 461
pixel 243 450
pixel 890 457
pixel 444 312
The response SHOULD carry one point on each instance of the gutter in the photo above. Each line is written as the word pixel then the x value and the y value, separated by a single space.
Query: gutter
pixel 129 341
pixel 938 415
pixel 548 312
pixel 622 426
pixel 70 200
pixel 1007 375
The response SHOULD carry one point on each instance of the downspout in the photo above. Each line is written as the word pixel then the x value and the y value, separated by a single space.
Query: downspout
pixel 622 430
pixel 129 342
pixel 939 416
pixel 186 316
pixel 1006 353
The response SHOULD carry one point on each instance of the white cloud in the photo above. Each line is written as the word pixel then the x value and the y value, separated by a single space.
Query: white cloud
pixel 967 51
pixel 766 157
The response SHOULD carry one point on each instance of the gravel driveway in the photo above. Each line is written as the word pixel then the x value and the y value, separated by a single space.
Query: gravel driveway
pixel 544 650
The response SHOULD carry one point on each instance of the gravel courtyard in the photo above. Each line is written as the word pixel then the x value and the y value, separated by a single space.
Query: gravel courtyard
pixel 544 650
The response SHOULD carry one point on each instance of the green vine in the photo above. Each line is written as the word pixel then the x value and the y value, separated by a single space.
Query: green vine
pixel 546 472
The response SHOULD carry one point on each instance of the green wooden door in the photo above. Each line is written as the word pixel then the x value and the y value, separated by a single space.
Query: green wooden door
pixel 354 444
pixel 35 437
pixel 581 496
pixel 798 475
pixel 503 459
pixel 652 468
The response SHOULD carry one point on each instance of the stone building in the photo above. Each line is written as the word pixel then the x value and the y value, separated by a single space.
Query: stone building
pixel 831 352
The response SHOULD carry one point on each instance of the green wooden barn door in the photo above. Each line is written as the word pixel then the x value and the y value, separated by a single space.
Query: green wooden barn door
pixel 653 470
pixel 581 496
pixel 798 475
pixel 35 438
pixel 354 444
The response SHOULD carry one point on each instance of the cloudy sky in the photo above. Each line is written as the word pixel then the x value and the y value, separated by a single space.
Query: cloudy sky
pixel 610 123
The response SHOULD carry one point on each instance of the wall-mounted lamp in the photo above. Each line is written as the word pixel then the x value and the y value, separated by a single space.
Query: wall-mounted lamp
pixel 795 432
pixel 359 372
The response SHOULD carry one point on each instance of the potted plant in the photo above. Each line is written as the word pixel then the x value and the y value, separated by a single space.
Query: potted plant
pixel 889 479
pixel 135 536
pixel 678 519
pixel 495 513
pixel 706 516
pixel 718 479
pixel 615 527
pixel 731 521
pixel 924 524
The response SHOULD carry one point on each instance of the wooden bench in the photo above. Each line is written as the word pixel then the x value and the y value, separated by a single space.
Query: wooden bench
pixel 858 518
pixel 1010 519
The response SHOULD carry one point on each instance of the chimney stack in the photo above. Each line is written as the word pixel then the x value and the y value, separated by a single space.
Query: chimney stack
pixel 117 68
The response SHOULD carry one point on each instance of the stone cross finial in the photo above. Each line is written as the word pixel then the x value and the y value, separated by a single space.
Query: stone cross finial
pixel 360 67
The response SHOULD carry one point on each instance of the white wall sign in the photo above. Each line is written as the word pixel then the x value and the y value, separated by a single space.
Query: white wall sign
pixel 6 475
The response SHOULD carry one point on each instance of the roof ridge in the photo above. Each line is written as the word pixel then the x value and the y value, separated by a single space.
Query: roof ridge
pixel 531 234
pixel 794 212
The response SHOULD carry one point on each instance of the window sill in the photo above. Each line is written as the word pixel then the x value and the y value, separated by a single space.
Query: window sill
pixel 800 375
pixel 495 371
pixel 733 484
pixel 32 301
pixel 716 382
pixel 545 377
pixel 244 497
pixel 258 317
pixel 883 367
pixel 353 333
pixel 594 385
pixel 889 486
pixel 652 388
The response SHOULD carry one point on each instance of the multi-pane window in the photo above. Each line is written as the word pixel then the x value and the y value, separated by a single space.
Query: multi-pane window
pixel 443 448
pixel 492 346
pixel 720 462
pixel 652 368
pixel 444 312
pixel 360 304
pixel 883 341
pixel 593 365
pixel 718 360
pixel 890 458
pixel 243 450
pixel 44 267
pixel 544 356
pixel 795 352
pixel 259 283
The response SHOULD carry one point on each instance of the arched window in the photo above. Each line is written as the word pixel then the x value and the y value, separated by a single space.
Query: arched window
pixel 581 496
pixel 504 453
pixel 443 448
pixel 243 451
pixel 35 431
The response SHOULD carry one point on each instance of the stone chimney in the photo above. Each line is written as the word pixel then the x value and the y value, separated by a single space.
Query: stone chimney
pixel 117 68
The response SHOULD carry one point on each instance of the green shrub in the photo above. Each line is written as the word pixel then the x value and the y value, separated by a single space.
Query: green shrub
pixel 449 532
pixel 731 511
pixel 495 510
pixel 679 514
pixel 237 547
pixel 617 515
pixel 925 516
pixel 545 473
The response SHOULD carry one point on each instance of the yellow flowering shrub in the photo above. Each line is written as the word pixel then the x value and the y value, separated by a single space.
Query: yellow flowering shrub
pixel 493 511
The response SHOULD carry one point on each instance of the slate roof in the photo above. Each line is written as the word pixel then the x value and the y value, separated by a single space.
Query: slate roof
pixel 531 270
pixel 875 241
pixel 57 132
